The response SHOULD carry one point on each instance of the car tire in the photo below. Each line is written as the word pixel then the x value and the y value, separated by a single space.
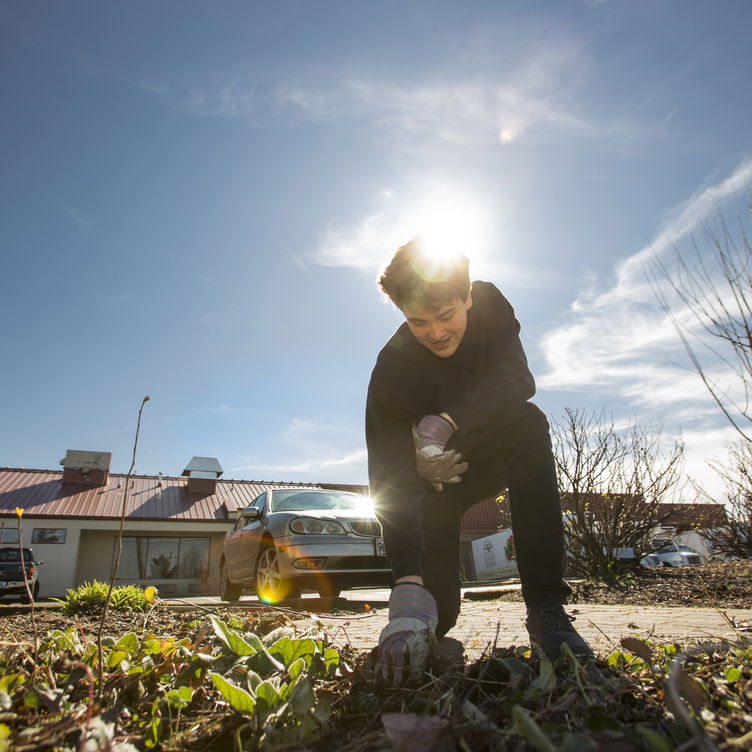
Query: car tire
pixel 271 586
pixel 227 590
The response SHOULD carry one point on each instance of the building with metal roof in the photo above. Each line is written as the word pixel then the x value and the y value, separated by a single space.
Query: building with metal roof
pixel 174 526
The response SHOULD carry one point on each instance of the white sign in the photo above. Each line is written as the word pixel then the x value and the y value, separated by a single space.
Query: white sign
pixel 495 557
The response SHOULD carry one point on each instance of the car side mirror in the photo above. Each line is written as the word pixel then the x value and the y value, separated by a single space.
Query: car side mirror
pixel 252 513
pixel 39 563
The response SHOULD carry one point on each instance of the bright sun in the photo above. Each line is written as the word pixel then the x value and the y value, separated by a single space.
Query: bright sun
pixel 449 223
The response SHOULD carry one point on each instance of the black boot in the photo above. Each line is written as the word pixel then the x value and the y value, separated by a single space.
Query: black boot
pixel 549 626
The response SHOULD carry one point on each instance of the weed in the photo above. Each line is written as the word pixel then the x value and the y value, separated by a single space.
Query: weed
pixel 92 596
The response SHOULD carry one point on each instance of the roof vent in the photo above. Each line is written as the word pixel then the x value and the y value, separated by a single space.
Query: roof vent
pixel 86 468
pixel 202 473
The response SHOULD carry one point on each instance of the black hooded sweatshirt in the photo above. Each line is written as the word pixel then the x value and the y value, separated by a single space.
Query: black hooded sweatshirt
pixel 488 369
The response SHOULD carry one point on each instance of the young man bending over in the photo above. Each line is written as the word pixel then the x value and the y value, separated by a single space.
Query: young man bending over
pixel 449 424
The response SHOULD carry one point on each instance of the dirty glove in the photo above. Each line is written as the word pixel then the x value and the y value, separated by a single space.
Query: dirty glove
pixel 407 639
pixel 432 462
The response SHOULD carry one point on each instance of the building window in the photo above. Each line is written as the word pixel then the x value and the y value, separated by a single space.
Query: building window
pixel 9 535
pixel 48 535
pixel 163 558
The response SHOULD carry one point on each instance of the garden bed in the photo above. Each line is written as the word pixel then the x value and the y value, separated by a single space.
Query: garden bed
pixel 259 678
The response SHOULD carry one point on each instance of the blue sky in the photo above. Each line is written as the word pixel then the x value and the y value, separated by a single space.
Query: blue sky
pixel 196 198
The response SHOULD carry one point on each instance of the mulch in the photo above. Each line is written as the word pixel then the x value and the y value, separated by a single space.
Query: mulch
pixel 721 584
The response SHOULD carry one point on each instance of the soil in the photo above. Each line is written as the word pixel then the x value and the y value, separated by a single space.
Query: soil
pixel 726 584
pixel 16 624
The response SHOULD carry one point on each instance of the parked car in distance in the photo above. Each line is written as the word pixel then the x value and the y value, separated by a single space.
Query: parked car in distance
pixel 672 554
pixel 688 550
pixel 11 574
pixel 651 560
pixel 290 539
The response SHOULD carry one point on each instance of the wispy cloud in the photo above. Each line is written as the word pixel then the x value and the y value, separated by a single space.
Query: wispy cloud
pixel 310 431
pixel 619 342
pixel 79 220
pixel 682 221
pixel 225 409
pixel 309 450
pixel 353 459
pixel 540 96
pixel 362 245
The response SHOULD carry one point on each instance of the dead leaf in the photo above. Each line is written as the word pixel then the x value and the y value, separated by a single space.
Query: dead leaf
pixel 689 688
pixel 639 648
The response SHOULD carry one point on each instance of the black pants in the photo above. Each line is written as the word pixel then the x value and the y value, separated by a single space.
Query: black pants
pixel 513 451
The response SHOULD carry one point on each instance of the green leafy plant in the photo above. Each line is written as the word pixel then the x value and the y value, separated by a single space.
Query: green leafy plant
pixel 93 596
pixel 221 683
pixel 271 681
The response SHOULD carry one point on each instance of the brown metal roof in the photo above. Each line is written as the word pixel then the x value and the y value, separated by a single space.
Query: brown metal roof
pixel 40 493
pixel 691 515
pixel 487 517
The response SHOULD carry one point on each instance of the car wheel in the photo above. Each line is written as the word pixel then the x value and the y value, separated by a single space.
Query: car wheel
pixel 227 590
pixel 35 590
pixel 271 586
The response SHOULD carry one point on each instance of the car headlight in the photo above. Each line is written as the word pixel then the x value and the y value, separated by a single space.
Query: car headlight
pixel 312 526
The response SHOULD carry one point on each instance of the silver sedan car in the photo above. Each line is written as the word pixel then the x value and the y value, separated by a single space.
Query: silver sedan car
pixel 290 539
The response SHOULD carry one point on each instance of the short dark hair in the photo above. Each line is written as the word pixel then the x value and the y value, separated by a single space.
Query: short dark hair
pixel 416 278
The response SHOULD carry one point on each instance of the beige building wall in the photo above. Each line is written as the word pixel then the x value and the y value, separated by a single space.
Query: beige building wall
pixel 87 553
pixel 97 549
pixel 59 559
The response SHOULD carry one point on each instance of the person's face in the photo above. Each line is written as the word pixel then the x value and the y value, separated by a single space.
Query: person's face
pixel 441 329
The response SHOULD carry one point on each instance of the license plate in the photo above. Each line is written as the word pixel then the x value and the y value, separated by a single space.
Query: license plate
pixel 380 548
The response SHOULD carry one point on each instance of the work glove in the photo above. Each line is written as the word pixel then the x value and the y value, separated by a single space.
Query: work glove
pixel 432 461
pixel 406 641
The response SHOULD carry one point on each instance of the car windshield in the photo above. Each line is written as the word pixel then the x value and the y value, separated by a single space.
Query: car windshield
pixel 13 554
pixel 668 548
pixel 309 501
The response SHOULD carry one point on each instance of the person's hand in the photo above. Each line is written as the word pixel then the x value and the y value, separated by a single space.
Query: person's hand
pixel 406 641
pixel 432 462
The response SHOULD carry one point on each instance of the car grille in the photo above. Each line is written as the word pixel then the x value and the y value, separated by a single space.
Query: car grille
pixel 693 558
pixel 366 527
pixel 362 562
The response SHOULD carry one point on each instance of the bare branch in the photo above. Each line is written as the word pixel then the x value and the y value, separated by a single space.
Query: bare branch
pixel 116 564
pixel 713 288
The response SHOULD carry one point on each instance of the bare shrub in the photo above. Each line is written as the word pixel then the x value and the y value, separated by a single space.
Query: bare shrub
pixel 612 483
pixel 733 537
